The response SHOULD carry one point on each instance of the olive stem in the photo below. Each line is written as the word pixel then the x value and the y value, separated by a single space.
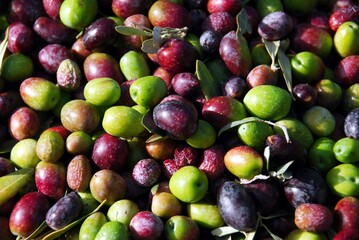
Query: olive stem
pixel 160 34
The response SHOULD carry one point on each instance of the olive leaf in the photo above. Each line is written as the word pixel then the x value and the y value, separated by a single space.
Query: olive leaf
pixel 157 35
pixel 250 235
pixel 80 34
pixel 287 175
pixel 218 69
pixel 125 30
pixel 284 168
pixel 280 213
pixel 47 124
pixel 3 47
pixel 6 146
pixel 148 46
pixel 282 173
pixel 284 44
pixel 274 237
pixel 276 51
pixel 253 119
pixel 12 183
pixel 283 128
pixel 55 234
pixel 209 86
pixel 275 215
pixel 286 68
pixel 330 233
pixel 266 155
pixel 243 24
pixel 154 189
pixel 38 231
pixel 148 123
pixel 237 123
pixel 154 138
pixel 272 49
pixel 224 231
pixel 228 237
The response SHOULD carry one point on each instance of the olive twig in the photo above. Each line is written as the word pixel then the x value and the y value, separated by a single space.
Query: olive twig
pixel 257 177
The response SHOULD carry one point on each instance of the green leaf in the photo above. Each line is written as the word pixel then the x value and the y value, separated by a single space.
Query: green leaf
pixel 272 49
pixel 283 174
pixel 274 237
pixel 331 233
pixel 280 213
pixel 243 24
pixel 3 47
pixel 47 124
pixel 227 237
pixel 282 169
pixel 283 128
pixel 253 119
pixel 218 69
pixel 286 68
pixel 132 31
pixel 150 125
pixel 237 123
pixel 38 231
pixel 148 46
pixel 287 175
pixel 79 34
pixel 12 183
pixel 266 155
pixel 58 233
pixel 209 86
pixel 154 189
pixel 284 44
pixel 224 231
pixel 154 138
pixel 6 146
pixel 157 37
pixel 250 235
